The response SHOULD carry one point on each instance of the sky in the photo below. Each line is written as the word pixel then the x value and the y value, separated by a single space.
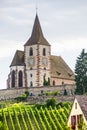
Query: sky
pixel 63 22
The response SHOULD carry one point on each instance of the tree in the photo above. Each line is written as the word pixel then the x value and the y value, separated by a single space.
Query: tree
pixel 45 82
pixel 81 73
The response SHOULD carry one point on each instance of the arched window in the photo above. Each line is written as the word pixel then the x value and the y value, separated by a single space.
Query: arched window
pixel 20 79
pixel 31 84
pixel 54 83
pixel 31 51
pixel 44 51
pixel 13 79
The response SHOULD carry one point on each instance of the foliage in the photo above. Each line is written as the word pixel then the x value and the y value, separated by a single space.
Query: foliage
pixel 65 92
pixel 81 73
pixel 48 81
pixel 27 93
pixel 82 125
pixel 2 126
pixel 2 105
pixel 28 117
pixel 23 97
pixel 45 82
pixel 55 93
pixel 51 102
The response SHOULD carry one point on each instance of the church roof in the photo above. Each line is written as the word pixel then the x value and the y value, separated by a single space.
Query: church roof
pixel 60 69
pixel 18 58
pixel 37 35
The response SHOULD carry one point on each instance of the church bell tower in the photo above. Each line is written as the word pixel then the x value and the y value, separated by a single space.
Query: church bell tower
pixel 37 57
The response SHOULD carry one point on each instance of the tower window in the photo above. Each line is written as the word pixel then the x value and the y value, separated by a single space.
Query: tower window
pixel 44 51
pixel 31 84
pixel 31 52
pixel 31 75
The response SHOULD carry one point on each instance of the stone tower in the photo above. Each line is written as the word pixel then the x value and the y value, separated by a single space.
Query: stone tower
pixel 37 57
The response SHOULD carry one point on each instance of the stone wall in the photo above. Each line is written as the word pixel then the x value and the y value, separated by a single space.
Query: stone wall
pixel 14 92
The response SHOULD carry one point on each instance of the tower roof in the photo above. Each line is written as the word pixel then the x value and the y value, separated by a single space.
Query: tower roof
pixel 37 35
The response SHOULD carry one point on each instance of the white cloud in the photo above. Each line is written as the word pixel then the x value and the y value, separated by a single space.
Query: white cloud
pixel 8 48
pixel 67 46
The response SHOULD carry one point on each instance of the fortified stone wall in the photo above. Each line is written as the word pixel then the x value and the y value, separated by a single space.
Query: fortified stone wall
pixel 14 92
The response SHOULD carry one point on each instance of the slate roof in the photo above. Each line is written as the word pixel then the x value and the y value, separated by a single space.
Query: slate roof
pixel 18 59
pixel 60 69
pixel 82 99
pixel 37 35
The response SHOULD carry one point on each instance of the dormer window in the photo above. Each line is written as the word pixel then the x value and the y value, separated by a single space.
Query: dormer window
pixel 44 51
pixel 58 73
pixel 31 51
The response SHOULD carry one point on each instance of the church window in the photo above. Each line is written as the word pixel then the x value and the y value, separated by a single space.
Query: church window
pixel 44 68
pixel 31 68
pixel 31 51
pixel 31 84
pixel 20 79
pixel 13 79
pixel 54 83
pixel 44 51
pixel 31 75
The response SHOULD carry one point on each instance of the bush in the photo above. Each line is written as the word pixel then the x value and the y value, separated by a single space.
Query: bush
pixel 2 105
pixel 38 106
pixel 53 93
pixel 56 93
pixel 23 97
pixel 27 93
pixel 51 102
pixel 65 92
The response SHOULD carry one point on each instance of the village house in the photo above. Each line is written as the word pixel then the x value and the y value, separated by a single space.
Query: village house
pixel 76 117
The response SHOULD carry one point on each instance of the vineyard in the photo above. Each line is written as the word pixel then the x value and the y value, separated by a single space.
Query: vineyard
pixel 28 117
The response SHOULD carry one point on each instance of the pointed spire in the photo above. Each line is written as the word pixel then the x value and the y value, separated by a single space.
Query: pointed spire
pixel 37 34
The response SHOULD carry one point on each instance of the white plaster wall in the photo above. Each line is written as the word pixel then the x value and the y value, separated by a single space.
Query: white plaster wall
pixel 27 48
pixel 47 66
pixel 34 67
pixel 33 78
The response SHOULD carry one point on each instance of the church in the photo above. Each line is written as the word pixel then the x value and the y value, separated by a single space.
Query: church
pixel 35 66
